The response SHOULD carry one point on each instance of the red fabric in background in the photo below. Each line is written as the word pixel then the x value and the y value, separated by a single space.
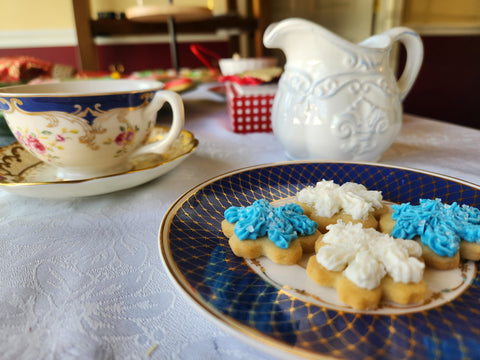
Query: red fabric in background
pixel 155 56
pixel 134 57
pixel 23 68
pixel 55 55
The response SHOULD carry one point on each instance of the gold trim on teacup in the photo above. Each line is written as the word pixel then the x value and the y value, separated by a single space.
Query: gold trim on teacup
pixel 7 91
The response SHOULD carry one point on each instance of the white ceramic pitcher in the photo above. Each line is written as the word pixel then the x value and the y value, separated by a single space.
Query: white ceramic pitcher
pixel 338 100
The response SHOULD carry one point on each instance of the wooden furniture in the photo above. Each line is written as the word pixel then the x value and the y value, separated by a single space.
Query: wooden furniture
pixel 253 24
pixel 163 12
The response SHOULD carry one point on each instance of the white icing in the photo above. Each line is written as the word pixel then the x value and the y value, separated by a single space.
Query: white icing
pixel 328 198
pixel 365 271
pixel 366 255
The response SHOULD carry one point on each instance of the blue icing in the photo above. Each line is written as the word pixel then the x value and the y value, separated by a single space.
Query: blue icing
pixel 440 226
pixel 281 224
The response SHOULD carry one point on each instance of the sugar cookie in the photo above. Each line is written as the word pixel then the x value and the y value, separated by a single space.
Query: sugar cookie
pixel 282 233
pixel 446 232
pixel 327 202
pixel 366 266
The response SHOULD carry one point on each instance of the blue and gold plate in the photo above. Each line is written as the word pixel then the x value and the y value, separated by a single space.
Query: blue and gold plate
pixel 254 304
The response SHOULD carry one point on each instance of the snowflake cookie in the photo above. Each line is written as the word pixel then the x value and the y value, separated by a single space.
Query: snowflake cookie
pixel 446 232
pixel 366 266
pixel 328 202
pixel 281 233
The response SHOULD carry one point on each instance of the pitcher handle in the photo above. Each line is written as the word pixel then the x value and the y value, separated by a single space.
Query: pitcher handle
pixel 414 49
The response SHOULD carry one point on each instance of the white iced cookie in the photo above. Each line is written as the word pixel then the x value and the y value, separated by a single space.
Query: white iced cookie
pixel 328 202
pixel 366 266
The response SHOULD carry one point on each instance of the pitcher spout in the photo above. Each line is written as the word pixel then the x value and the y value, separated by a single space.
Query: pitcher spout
pixel 283 34
pixel 301 39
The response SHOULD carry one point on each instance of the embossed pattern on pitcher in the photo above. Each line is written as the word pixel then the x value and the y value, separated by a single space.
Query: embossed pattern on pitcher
pixel 359 120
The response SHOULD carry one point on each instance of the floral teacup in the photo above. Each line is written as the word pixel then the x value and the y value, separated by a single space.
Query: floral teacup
pixel 89 128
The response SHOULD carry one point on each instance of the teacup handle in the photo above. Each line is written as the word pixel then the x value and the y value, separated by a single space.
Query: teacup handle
pixel 414 48
pixel 178 120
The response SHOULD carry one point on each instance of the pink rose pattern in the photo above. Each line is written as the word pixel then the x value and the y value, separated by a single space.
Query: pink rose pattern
pixel 125 137
pixel 31 141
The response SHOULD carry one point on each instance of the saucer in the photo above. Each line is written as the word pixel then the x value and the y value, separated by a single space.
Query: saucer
pixel 22 173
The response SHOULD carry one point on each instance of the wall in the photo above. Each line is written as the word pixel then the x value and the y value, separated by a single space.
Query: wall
pixel 36 15
pixel 447 85
pixel 29 27
pixel 350 19
pixel 442 12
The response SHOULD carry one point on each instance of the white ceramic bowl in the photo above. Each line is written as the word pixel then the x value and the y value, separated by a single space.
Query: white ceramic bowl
pixel 232 66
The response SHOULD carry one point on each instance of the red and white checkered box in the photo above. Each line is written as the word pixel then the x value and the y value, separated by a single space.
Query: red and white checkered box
pixel 250 107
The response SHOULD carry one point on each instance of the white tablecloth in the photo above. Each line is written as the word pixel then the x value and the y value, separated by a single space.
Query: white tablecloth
pixel 83 279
